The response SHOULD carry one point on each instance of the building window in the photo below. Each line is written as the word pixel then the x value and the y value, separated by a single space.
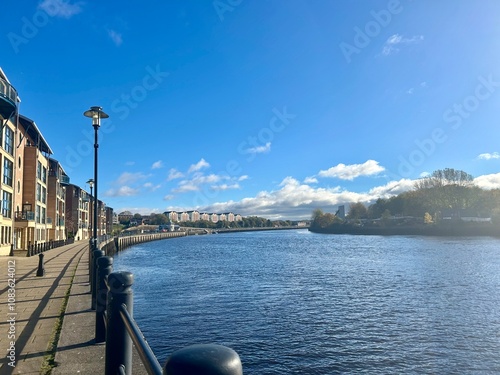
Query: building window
pixel 43 215
pixel 44 194
pixel 37 214
pixel 8 170
pixel 39 170
pixel 7 204
pixel 44 175
pixel 9 140
pixel 38 192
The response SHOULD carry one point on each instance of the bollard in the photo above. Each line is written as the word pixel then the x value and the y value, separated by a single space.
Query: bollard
pixel 104 268
pixel 204 359
pixel 41 270
pixel 118 341
pixel 93 284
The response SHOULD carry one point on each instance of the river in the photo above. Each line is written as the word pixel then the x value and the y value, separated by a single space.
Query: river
pixel 295 302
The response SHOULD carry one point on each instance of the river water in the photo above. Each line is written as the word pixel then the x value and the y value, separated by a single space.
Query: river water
pixel 295 302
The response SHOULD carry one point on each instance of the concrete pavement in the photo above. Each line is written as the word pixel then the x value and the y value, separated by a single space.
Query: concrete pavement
pixel 31 305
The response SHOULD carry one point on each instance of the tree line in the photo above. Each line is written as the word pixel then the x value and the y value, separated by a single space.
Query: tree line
pixel 444 192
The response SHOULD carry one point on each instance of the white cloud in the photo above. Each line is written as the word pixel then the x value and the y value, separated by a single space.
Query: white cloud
pixel 151 187
pixel 350 172
pixel 186 186
pixel 115 37
pixel 223 187
pixel 310 180
pixel 168 197
pixel 488 182
pixel 128 178
pixel 200 165
pixel 391 189
pixel 60 8
pixel 390 45
pixel 197 181
pixel 122 191
pixel 157 165
pixel 296 200
pixel 243 178
pixel 259 149
pixel 489 156
pixel 174 174
pixel 410 91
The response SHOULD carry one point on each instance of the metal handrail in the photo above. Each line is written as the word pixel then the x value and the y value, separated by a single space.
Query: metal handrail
pixel 147 356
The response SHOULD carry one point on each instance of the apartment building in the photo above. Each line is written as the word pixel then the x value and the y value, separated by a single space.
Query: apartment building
pixel 78 218
pixel 9 103
pixel 32 223
pixel 56 200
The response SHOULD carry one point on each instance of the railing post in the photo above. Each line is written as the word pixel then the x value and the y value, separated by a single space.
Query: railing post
pixel 205 359
pixel 93 285
pixel 91 250
pixel 104 268
pixel 118 341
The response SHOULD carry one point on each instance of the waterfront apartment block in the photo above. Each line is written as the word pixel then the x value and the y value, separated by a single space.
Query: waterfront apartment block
pixel 38 204
pixel 9 102
pixel 196 215
pixel 56 200
pixel 31 220
pixel 78 218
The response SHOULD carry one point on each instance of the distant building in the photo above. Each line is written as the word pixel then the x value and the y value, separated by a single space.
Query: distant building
pixel 341 212
pixel 125 216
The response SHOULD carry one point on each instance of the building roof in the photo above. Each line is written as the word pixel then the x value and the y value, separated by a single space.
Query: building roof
pixel 35 134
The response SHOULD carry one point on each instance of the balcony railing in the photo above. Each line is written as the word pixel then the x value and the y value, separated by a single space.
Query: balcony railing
pixel 9 96
pixel 65 180
pixel 25 215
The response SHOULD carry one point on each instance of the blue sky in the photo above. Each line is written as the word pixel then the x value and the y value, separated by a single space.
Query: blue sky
pixel 269 108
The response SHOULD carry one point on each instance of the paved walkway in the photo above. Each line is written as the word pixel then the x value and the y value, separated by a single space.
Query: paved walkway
pixel 28 318
pixel 32 315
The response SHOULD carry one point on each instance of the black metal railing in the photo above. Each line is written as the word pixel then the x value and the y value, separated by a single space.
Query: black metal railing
pixel 40 247
pixel 116 327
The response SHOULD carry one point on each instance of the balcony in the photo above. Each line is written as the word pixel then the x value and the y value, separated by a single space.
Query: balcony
pixel 24 219
pixel 64 180
pixel 8 99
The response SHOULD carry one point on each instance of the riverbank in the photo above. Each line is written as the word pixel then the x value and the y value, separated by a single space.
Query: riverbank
pixel 448 229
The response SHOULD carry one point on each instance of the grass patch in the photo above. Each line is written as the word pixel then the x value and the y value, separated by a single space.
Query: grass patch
pixel 50 355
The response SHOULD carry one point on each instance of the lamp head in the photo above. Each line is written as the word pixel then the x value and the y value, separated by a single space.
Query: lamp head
pixel 96 114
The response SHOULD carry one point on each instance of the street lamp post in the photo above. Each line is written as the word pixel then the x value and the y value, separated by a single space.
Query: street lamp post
pixel 96 114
